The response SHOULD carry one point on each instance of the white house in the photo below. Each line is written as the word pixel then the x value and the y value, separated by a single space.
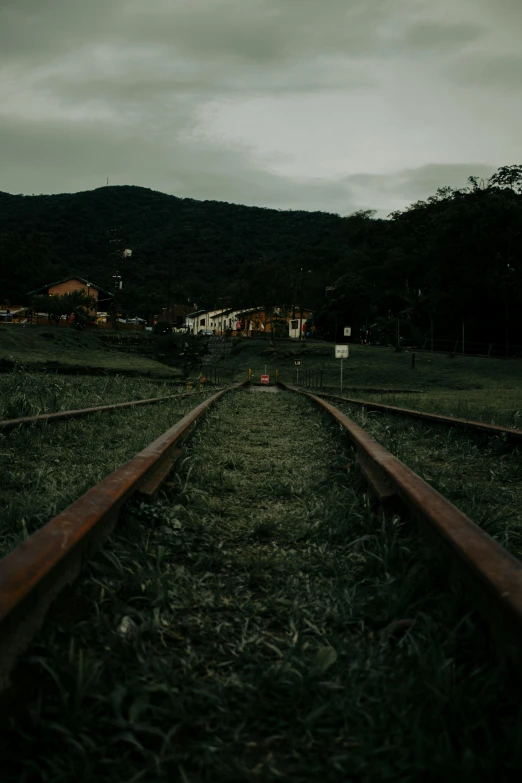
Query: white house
pixel 252 318
pixel 217 321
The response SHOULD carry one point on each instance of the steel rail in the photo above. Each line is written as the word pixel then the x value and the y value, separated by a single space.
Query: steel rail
pixel 7 425
pixel 476 560
pixel 436 418
pixel 36 571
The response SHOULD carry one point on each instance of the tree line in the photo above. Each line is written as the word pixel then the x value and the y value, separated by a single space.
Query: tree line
pixel 441 266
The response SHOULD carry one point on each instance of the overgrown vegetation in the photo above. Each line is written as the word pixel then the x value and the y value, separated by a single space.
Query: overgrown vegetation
pixel 46 467
pixel 479 474
pixel 500 406
pixel 30 394
pixel 262 624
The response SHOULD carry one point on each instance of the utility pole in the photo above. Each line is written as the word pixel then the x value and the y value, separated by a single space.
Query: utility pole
pixel 301 308
pixel 115 242
pixel 118 254
pixel 169 303
pixel 309 271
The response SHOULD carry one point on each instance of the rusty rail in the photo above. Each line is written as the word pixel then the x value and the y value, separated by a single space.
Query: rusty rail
pixel 475 559
pixel 33 574
pixel 10 424
pixel 436 418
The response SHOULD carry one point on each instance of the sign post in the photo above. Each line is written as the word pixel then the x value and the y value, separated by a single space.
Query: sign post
pixel 297 364
pixel 341 352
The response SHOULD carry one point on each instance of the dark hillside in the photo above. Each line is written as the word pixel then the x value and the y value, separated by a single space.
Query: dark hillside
pixel 448 268
pixel 206 241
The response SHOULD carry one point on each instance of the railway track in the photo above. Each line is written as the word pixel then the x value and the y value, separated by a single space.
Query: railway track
pixel 7 425
pixel 475 465
pixel 511 433
pixel 271 585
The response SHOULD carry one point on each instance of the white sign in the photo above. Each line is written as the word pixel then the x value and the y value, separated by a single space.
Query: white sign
pixel 341 351
pixel 347 331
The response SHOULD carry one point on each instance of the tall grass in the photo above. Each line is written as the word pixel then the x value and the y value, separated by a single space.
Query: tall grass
pixel 262 624
pixel 502 408
pixel 480 474
pixel 29 394
pixel 47 467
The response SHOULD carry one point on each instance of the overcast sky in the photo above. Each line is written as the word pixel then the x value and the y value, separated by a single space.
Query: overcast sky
pixel 332 105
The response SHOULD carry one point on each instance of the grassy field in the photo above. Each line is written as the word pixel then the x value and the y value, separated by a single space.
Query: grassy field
pixel 30 394
pixel 381 367
pixel 489 389
pixel 38 344
pixel 260 624
pixel 46 467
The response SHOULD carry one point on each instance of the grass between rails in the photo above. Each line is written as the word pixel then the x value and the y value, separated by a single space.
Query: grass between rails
pixel 263 625
pixel 480 474
pixel 30 394
pixel 46 467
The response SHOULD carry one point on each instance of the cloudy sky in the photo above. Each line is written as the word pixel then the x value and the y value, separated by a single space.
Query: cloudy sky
pixel 332 105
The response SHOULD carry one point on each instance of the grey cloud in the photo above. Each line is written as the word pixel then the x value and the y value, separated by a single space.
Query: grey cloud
pixel 488 70
pixel 58 157
pixel 436 37
pixel 226 32
pixel 149 71
pixel 208 83
pixel 409 185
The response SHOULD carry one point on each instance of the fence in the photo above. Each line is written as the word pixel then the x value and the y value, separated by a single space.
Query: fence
pixel 469 348
pixel 312 379
pixel 220 376
pixel 62 324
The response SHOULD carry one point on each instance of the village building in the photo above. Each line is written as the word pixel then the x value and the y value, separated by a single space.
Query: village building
pixel 14 314
pixel 70 284
pixel 175 314
pixel 249 321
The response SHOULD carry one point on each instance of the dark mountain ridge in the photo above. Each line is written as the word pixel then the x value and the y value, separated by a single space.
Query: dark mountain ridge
pixel 201 244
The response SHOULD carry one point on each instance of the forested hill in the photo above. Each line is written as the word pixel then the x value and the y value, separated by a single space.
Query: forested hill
pixel 44 238
pixel 453 260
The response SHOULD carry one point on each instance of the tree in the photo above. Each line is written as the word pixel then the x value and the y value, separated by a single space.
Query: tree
pixel 76 303
pixel 264 283
pixel 508 177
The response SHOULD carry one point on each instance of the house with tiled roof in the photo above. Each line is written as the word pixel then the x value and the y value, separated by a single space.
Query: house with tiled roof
pixel 68 284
